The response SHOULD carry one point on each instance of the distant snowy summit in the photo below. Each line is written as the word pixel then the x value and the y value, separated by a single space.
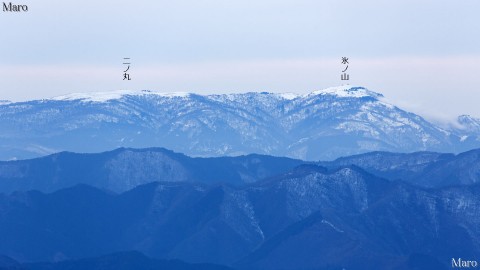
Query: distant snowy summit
pixel 347 91
pixel 469 123
pixel 107 96
pixel 339 91
pixel 323 124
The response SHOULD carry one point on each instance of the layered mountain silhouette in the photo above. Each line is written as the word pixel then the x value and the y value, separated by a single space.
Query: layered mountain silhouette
pixel 361 184
pixel 322 125
pixel 123 169
pixel 427 169
pixel 310 217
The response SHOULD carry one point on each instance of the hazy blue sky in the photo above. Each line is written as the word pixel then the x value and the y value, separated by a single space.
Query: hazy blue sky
pixel 422 55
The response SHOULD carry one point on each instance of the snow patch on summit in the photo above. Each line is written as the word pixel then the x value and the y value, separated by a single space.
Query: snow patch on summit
pixel 347 91
pixel 288 96
pixel 111 95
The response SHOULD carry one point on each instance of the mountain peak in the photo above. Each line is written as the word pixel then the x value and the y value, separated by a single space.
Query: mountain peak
pixel 467 117
pixel 347 91
pixel 469 123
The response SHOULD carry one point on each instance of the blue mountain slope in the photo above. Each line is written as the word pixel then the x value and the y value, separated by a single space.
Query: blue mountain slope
pixel 116 261
pixel 322 125
pixel 427 169
pixel 308 218
pixel 124 169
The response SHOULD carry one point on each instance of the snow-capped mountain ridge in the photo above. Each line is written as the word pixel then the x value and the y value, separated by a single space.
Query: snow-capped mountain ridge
pixel 111 95
pixel 339 91
pixel 323 124
pixel 469 122
pixel 347 91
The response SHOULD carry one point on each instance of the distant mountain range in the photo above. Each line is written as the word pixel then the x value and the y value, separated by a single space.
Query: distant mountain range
pixel 310 217
pixel 322 125
pixel 123 169
pixel 426 169
pixel 341 179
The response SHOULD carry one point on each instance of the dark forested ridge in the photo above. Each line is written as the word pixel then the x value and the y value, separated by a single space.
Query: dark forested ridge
pixel 309 217
pixel 123 169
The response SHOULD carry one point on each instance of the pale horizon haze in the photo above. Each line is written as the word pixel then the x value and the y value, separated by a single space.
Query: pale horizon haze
pixel 423 56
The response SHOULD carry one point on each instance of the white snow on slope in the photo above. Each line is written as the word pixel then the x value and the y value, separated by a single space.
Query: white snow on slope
pixel 339 91
pixel 347 91
pixel 288 96
pixel 111 95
